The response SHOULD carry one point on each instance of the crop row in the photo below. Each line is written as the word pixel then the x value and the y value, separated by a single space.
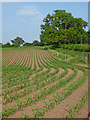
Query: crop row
pixel 27 90
pixel 28 75
pixel 74 109
pixel 15 96
pixel 48 106
pixel 57 99
pixel 12 75
pixel 41 95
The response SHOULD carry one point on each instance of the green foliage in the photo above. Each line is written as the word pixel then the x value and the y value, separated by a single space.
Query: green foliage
pixel 27 44
pixel 45 48
pixel 17 77
pixel 77 107
pixel 41 43
pixel 71 56
pixel 15 45
pixel 24 116
pixel 88 37
pixel 76 47
pixel 0 45
pixel 18 41
pixel 62 27
pixel 36 42
pixel 6 45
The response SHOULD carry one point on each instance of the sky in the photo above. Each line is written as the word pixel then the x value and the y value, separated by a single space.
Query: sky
pixel 23 19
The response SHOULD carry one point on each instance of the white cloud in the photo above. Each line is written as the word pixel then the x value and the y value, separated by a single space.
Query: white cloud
pixel 33 13
pixel 29 10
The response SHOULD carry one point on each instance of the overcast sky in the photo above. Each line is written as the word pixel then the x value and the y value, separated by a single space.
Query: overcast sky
pixel 23 19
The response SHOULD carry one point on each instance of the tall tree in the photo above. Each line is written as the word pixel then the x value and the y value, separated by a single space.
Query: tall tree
pixel 18 41
pixel 36 42
pixel 88 32
pixel 6 45
pixel 62 27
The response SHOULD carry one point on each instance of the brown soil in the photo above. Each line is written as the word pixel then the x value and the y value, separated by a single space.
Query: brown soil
pixel 21 62
pixel 59 110
pixel 44 69
pixel 61 70
pixel 83 112
pixel 32 62
pixel 32 94
pixel 11 60
pixel 8 58
pixel 24 60
pixel 42 60
pixel 56 57
pixel 52 70
pixel 28 110
pixel 36 62
pixel 84 65
pixel 19 58
pixel 27 62
pixel 38 59
pixel 41 102
pixel 79 74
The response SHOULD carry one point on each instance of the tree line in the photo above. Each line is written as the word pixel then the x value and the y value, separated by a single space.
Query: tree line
pixel 18 41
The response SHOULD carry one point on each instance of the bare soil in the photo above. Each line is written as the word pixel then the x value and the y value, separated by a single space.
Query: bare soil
pixel 59 110
pixel 83 112
pixel 28 110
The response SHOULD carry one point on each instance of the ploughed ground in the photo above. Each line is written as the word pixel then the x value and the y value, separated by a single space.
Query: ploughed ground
pixel 59 110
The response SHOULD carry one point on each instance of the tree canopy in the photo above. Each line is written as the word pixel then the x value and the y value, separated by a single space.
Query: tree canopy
pixel 27 44
pixel 88 37
pixel 6 45
pixel 36 42
pixel 62 27
pixel 18 41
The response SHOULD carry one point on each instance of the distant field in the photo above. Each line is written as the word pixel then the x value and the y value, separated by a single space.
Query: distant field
pixel 39 83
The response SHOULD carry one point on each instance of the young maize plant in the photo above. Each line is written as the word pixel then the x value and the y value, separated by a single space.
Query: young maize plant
pixel 24 116
pixel 34 112
pixel 77 107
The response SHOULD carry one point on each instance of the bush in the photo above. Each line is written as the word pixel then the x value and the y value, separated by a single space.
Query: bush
pixel 3 46
pixel 45 48
pixel 6 45
pixel 36 42
pixel 15 45
pixel 54 46
pixel 41 44
pixel 76 47
pixel 64 46
pixel 88 48
pixel 27 44
pixel 81 48
pixel 70 47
